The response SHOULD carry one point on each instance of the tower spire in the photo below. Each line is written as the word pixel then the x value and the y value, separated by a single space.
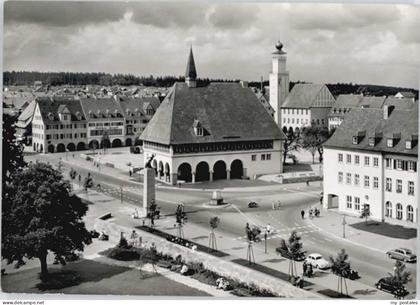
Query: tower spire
pixel 190 72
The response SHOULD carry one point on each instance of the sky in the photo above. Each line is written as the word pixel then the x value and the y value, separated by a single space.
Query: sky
pixel 325 43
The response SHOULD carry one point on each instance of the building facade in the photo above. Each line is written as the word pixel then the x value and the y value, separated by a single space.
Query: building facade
pixel 372 160
pixel 70 123
pixel 218 131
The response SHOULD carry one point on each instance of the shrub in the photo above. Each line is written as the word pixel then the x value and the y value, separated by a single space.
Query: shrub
pixel 123 254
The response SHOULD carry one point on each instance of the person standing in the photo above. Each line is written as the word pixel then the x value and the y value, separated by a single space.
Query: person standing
pixel 302 213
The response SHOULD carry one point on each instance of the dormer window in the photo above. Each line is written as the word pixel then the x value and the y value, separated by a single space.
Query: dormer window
pixel 50 116
pixel 390 142
pixel 411 142
pixel 371 141
pixel 408 144
pixel 358 137
pixel 198 128
pixel 355 140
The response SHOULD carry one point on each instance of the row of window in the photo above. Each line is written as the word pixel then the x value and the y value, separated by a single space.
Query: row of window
pixel 349 203
pixel 399 164
pixel 100 132
pixel 292 120
pixel 298 111
pixel 135 121
pixel 65 126
pixel 366 180
pixel 263 157
pixel 399 211
pixel 106 124
pixel 398 186
pixel 375 182
pixel 38 136
pixel 65 136
pixel 356 160
pixel 38 126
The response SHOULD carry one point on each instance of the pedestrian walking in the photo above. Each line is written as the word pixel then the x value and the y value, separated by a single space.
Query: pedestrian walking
pixel 307 182
pixel 305 268
pixel 130 173
pixel 310 213
pixel 268 229
pixel 302 213
pixel 320 200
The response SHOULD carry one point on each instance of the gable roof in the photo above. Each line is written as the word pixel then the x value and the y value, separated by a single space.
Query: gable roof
pixel 371 121
pixel 139 103
pixel 304 96
pixel 25 118
pixel 400 103
pixel 51 105
pixel 101 106
pixel 226 111
pixel 372 101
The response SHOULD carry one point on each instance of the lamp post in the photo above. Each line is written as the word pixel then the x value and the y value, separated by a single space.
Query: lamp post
pixel 121 191
pixel 344 226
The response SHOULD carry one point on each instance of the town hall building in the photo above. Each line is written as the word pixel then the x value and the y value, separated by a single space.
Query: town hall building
pixel 211 132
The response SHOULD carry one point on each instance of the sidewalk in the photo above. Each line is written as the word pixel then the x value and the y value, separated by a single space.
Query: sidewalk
pixel 236 248
pixel 331 222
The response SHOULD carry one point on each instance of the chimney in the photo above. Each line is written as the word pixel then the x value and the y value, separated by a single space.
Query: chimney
pixel 387 111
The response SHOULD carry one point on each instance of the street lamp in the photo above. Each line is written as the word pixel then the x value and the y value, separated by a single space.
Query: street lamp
pixel 344 226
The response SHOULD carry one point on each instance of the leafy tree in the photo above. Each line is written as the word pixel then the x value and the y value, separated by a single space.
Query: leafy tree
pixel 12 150
pixel 312 139
pixel 72 174
pixel 365 212
pixel 88 183
pixel 291 143
pixel 293 249
pixel 341 267
pixel 40 215
pixel 214 223
pixel 401 276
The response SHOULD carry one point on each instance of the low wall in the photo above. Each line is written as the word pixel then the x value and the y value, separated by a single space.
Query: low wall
pixel 218 265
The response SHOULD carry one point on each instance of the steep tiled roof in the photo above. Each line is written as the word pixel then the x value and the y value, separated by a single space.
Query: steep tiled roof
pixel 25 117
pixel 345 102
pixel 372 101
pixel 302 95
pixel 227 111
pixel 400 103
pixel 372 120
pixel 101 107
pixel 131 104
pixel 50 105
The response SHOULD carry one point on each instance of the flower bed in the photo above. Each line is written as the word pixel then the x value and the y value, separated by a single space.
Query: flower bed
pixel 183 242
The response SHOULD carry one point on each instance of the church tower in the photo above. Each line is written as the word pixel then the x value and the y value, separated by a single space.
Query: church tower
pixel 190 72
pixel 279 82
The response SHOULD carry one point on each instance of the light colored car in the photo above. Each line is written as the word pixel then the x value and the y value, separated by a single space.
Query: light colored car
pixel 317 261
pixel 403 254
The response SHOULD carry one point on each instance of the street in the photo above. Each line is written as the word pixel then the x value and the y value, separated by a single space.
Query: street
pixel 371 265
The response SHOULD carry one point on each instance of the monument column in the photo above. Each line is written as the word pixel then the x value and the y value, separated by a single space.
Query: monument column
pixel 149 194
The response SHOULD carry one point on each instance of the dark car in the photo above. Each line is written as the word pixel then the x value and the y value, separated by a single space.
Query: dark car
pixel 286 254
pixel 253 204
pixel 386 284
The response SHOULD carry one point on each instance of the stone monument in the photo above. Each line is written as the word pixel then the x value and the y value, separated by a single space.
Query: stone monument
pixel 216 198
pixel 149 193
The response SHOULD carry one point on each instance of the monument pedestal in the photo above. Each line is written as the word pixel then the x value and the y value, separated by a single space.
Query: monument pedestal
pixel 149 193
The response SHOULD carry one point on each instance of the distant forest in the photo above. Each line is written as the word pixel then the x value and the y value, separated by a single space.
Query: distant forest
pixel 102 79
pixel 106 79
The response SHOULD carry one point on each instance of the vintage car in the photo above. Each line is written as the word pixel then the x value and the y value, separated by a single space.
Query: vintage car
pixel 403 254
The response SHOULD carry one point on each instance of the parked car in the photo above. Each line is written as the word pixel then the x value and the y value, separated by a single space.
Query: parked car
pixel 253 204
pixel 387 285
pixel 403 254
pixel 317 261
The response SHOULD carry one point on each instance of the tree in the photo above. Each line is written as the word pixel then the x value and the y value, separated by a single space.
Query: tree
pixel 88 183
pixel 293 249
pixel 72 174
pixel 400 277
pixel 40 215
pixel 365 213
pixel 12 150
pixel 214 223
pixel 105 142
pixel 341 267
pixel 291 143
pixel 312 139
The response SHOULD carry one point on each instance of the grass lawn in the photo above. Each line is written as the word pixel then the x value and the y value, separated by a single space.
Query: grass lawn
pixel 99 278
pixel 386 229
